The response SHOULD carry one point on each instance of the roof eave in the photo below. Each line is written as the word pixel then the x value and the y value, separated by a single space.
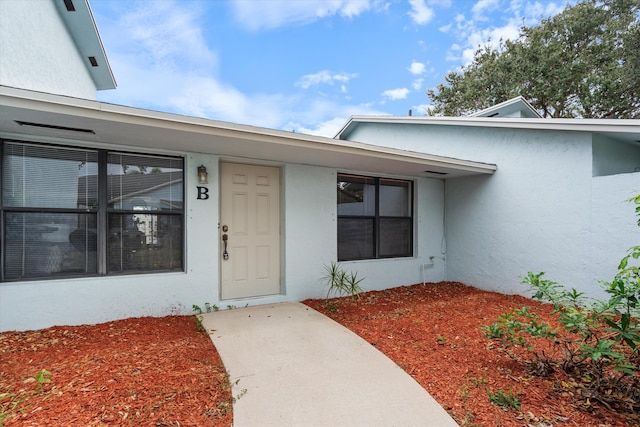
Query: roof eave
pixel 128 126
pixel 84 31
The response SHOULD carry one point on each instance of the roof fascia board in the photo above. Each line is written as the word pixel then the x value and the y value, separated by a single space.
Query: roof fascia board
pixel 579 125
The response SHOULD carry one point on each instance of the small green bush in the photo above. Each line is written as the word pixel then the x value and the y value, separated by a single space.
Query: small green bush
pixel 504 399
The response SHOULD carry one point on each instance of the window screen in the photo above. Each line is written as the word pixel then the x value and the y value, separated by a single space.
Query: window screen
pixel 374 217
pixel 72 212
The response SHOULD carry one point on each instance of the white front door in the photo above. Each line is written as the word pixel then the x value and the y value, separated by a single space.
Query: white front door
pixel 250 227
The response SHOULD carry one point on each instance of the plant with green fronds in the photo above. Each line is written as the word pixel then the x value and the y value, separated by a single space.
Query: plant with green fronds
pixel 340 282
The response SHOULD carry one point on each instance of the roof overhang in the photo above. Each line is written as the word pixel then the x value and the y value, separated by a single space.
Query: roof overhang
pixel 74 120
pixel 78 18
pixel 625 130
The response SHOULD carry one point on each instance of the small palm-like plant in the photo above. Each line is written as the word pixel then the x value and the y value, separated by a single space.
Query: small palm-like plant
pixel 341 282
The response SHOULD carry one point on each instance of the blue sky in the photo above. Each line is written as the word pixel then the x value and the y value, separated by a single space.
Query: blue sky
pixel 297 65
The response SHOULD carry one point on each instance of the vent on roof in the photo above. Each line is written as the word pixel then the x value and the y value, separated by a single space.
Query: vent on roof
pixel 93 61
pixel 437 173
pixel 69 5
pixel 42 125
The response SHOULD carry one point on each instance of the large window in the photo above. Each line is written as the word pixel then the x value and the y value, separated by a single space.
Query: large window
pixel 375 217
pixel 69 212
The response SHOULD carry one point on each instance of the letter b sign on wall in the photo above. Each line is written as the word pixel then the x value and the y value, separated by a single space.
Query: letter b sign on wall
pixel 203 193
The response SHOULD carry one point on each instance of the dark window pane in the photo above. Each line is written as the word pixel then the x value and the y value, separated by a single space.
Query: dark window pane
pixel 48 177
pixel 395 198
pixel 356 195
pixel 51 229
pixel 49 244
pixel 144 182
pixel 395 237
pixel 374 217
pixel 355 238
pixel 143 242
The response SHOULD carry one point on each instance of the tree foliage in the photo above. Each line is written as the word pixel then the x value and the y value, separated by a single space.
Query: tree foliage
pixel 583 62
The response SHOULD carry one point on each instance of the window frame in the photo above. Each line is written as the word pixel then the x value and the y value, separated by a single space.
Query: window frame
pixel 101 212
pixel 377 218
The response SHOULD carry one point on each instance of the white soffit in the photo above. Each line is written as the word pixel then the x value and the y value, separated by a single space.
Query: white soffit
pixel 74 120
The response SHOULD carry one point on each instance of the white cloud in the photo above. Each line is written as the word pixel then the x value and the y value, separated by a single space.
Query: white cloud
pixel 483 6
pixel 420 13
pixel 490 36
pixel 206 97
pixel 493 35
pixel 421 110
pixel 532 12
pixel 269 14
pixel 442 3
pixel 323 76
pixel 326 128
pixel 152 48
pixel 416 68
pixel 417 84
pixel 472 34
pixel 168 35
pixel 394 94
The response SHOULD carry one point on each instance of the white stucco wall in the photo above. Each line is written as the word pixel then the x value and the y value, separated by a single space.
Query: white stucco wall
pixel 309 244
pixel 310 228
pixel 614 224
pixel 37 51
pixel 535 213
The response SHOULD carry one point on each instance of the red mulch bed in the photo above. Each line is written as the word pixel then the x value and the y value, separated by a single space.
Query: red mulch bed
pixel 163 372
pixel 140 372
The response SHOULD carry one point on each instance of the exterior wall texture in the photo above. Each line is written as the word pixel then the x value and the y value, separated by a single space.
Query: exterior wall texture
pixel 539 212
pixel 612 157
pixel 309 227
pixel 38 53
pixel 614 225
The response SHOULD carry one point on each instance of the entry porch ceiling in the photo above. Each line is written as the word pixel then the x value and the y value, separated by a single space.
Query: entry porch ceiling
pixel 72 120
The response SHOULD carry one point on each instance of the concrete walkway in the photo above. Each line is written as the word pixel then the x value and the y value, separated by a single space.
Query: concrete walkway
pixel 292 366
